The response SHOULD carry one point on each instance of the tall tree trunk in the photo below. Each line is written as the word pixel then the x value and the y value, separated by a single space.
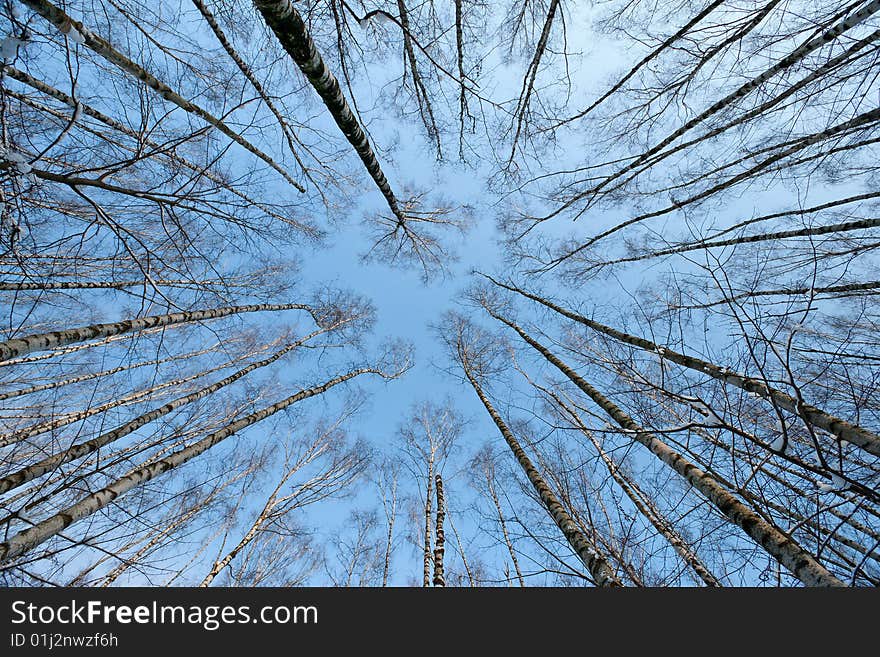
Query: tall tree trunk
pixel 440 536
pixel 861 224
pixel 77 416
pixel 643 503
pixel 28 539
pixel 843 290
pixel 43 341
pixel 97 375
pixel 426 548
pixel 390 515
pixel 596 564
pixel 464 561
pixel 844 430
pixel 528 85
pixel 459 56
pixel 81 347
pixel 491 486
pixel 293 36
pixel 82 449
pixel 781 547
pixel 251 534
pixel 421 92
pixel 812 522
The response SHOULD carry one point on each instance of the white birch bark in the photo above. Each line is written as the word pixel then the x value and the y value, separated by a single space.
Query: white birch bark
pixel 781 547
pixel 844 430
pixel 597 564
pixel 43 341
pixel 28 539
pixel 290 29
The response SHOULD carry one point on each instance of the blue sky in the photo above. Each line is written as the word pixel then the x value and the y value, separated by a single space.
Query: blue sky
pixel 406 305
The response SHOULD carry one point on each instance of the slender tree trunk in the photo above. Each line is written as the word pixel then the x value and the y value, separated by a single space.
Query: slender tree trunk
pixel 80 347
pixel 386 567
pixel 644 504
pixel 72 418
pixel 424 101
pixel 596 564
pixel 78 451
pixel 842 290
pixel 99 285
pixel 781 547
pixel 864 121
pixel 528 85
pixel 844 430
pixel 28 539
pixel 504 531
pixel 391 516
pixel 464 561
pixel 440 540
pixel 426 548
pixel 459 56
pixel 861 224
pixel 800 519
pixel 97 375
pixel 810 522
pixel 844 518
pixel 43 341
pixel 251 534
pixel 288 26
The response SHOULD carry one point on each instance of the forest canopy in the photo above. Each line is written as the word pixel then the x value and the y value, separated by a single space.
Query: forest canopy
pixel 439 293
